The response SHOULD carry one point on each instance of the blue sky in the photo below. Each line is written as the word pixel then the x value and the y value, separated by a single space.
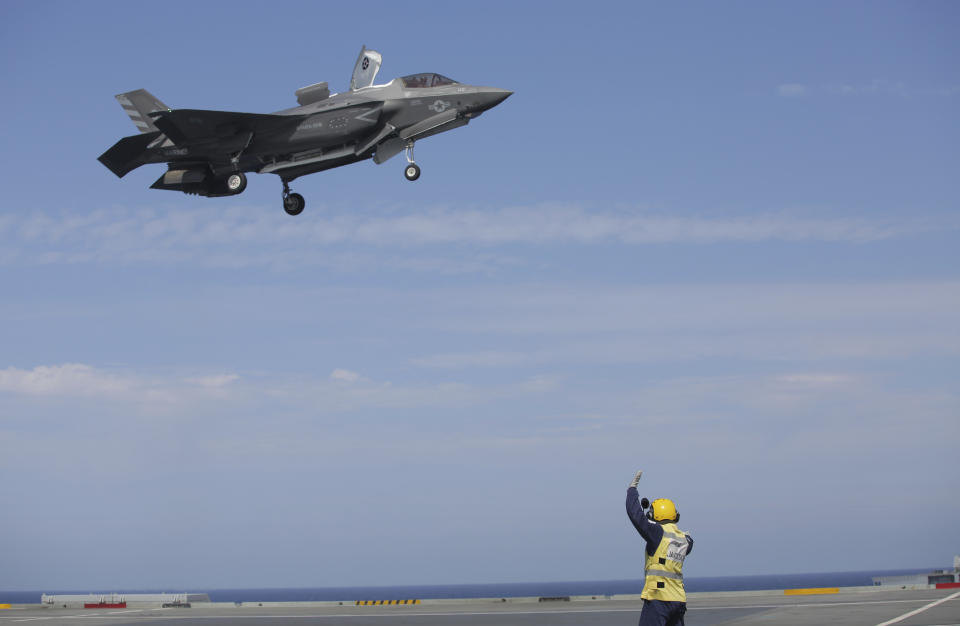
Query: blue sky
pixel 716 242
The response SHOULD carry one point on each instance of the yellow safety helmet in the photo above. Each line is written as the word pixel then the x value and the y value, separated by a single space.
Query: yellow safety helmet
pixel 663 510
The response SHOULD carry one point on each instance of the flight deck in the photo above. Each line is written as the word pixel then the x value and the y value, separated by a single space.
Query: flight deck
pixel 854 606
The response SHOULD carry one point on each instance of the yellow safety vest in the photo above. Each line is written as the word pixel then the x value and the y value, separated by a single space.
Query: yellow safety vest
pixel 664 570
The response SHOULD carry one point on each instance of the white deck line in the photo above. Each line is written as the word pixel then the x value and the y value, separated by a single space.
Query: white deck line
pixel 920 610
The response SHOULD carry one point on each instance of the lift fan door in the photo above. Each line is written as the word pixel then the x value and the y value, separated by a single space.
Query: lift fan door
pixel 368 64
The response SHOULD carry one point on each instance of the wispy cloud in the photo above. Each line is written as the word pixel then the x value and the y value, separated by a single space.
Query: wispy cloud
pixel 69 379
pixel 214 381
pixel 814 380
pixel 250 238
pixel 917 309
pixel 344 376
pixel 122 386
pixel 876 87
pixel 796 415
pixel 674 347
pixel 672 324
pixel 342 391
pixel 791 90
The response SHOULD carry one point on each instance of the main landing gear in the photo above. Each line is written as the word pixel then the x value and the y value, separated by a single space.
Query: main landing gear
pixel 412 171
pixel 236 183
pixel 293 203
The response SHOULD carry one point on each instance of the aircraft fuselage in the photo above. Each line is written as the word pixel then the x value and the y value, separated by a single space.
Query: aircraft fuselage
pixel 208 152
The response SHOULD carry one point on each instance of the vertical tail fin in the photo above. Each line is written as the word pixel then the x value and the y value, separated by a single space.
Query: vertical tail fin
pixel 138 105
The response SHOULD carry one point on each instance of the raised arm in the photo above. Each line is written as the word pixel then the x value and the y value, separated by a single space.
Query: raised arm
pixel 650 531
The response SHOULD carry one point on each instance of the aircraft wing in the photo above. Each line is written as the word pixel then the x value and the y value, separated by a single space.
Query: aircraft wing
pixel 190 125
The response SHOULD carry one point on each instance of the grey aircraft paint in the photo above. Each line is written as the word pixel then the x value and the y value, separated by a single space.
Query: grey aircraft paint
pixel 208 152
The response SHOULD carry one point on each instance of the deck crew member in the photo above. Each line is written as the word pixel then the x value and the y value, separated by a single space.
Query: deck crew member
pixel 664 599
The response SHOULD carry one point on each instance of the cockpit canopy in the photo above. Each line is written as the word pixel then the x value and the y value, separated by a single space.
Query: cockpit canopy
pixel 421 81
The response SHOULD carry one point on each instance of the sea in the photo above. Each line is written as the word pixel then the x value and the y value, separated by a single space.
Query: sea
pixel 491 590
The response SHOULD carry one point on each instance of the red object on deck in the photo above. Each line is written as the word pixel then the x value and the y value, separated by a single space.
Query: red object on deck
pixel 948 585
pixel 105 605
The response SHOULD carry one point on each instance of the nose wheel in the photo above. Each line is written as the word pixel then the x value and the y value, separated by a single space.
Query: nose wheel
pixel 412 171
pixel 293 203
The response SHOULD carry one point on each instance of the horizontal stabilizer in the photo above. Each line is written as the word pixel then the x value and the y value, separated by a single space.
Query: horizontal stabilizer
pixel 189 125
pixel 127 154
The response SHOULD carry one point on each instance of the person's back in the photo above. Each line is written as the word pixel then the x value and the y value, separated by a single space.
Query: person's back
pixel 664 597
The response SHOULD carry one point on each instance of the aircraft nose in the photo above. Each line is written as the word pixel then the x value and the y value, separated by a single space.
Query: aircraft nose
pixel 493 96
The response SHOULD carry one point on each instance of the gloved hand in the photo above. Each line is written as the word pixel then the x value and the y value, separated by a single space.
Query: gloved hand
pixel 644 503
pixel 636 479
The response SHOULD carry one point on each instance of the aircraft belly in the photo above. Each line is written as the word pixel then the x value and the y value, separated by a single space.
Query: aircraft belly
pixel 296 170
pixel 319 141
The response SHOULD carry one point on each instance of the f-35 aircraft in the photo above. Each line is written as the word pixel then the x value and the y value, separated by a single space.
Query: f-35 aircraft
pixel 208 152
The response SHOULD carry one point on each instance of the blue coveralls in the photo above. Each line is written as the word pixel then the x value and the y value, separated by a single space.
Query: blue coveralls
pixel 655 612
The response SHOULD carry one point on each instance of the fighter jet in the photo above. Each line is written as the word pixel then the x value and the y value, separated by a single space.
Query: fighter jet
pixel 209 152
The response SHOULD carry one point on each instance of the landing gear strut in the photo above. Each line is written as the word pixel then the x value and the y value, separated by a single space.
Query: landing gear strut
pixel 293 203
pixel 412 171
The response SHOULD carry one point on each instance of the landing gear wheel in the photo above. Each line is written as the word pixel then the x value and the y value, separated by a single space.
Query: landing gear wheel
pixel 412 172
pixel 293 204
pixel 236 182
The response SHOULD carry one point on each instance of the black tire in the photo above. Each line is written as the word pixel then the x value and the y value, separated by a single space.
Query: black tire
pixel 293 204
pixel 412 171
pixel 235 183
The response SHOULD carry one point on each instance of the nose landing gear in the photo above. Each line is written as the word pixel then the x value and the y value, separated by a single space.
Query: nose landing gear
pixel 293 203
pixel 412 171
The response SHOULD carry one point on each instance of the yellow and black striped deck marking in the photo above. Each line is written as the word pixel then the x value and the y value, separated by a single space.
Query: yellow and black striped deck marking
pixel 385 602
